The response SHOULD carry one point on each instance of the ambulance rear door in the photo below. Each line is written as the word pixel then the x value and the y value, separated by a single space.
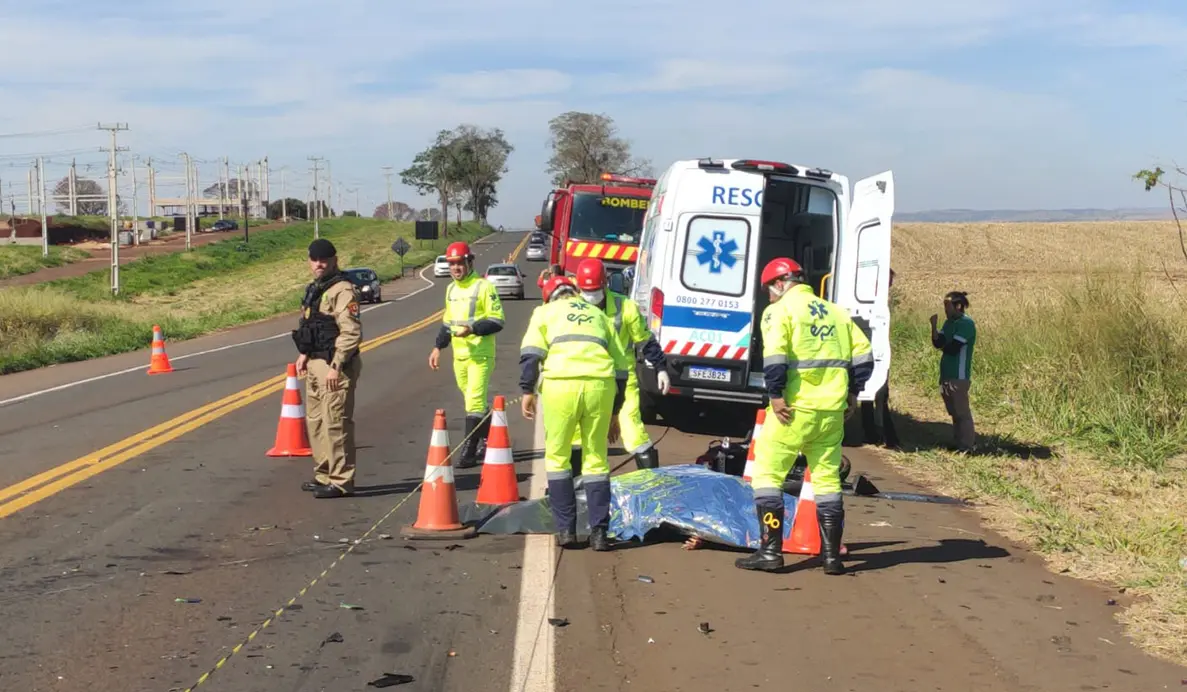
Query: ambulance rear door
pixel 862 275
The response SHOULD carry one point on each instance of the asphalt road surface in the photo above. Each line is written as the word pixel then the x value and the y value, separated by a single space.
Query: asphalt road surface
pixel 121 493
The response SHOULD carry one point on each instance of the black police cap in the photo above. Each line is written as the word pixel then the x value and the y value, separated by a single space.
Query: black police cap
pixel 322 249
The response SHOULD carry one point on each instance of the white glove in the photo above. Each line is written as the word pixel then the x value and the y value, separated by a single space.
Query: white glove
pixel 664 382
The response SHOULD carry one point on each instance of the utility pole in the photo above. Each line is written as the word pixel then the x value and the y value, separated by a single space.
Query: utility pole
pixel 222 192
pixel 189 200
pixel 30 172
pixel 135 210
pixel 226 177
pixel 41 200
pixel 356 202
pixel 330 188
pixel 316 203
pixel 152 189
pixel 267 186
pixel 242 192
pixel 73 187
pixel 284 208
pixel 387 173
pixel 112 205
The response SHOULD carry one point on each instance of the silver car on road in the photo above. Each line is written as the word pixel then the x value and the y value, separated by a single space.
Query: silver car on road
pixel 507 279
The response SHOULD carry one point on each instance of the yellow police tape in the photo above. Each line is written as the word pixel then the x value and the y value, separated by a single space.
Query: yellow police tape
pixel 279 611
pixel 355 543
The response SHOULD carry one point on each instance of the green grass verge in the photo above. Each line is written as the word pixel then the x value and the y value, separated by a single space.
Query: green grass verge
pixel 17 260
pixel 189 294
pixel 1078 394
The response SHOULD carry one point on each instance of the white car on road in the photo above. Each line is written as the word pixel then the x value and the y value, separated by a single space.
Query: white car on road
pixel 440 267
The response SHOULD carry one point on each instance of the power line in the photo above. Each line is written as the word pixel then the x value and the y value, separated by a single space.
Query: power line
pixel 46 133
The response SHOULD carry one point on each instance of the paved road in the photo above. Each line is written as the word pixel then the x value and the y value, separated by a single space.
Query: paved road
pixel 93 561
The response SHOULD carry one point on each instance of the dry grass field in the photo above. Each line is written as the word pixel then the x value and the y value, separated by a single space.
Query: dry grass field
pixel 1079 392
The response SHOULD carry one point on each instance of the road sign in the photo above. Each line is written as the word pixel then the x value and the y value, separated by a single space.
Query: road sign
pixel 401 247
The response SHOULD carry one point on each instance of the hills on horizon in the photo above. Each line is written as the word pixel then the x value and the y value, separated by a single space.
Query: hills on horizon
pixel 1034 215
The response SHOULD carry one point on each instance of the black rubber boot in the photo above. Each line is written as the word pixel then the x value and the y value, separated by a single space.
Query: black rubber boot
pixel 769 556
pixel 575 462
pixel 597 499
pixel 648 459
pixel 482 434
pixel 831 527
pixel 468 450
pixel 563 501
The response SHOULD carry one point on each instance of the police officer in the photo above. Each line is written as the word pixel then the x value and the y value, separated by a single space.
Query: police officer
pixel 328 339
pixel 815 362
pixel 631 330
pixel 570 345
pixel 473 315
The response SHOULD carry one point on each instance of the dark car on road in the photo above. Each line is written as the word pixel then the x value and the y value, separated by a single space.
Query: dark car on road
pixel 367 281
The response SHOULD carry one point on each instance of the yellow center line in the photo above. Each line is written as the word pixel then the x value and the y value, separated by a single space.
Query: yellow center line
pixel 52 481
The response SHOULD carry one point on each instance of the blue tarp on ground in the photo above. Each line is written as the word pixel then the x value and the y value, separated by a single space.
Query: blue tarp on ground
pixel 690 498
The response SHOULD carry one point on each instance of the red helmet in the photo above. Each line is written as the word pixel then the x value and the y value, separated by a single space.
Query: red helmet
pixel 458 251
pixel 554 283
pixel 591 274
pixel 779 268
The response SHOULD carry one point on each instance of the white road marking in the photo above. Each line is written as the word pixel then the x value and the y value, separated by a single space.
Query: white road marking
pixel 534 663
pixel 140 368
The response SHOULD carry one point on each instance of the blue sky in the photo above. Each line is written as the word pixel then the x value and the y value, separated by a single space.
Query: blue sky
pixel 989 104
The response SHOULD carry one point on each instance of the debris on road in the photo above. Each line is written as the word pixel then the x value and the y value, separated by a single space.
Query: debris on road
pixel 646 579
pixel 391 680
pixel 335 638
pixel 187 600
pixel 558 622
pixel 704 628
pixel 385 536
pixel 177 572
pixel 349 606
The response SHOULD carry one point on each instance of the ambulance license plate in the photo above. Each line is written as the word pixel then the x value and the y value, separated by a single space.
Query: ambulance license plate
pixel 710 374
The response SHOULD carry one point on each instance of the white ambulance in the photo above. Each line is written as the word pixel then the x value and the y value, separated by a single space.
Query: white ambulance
pixel 711 227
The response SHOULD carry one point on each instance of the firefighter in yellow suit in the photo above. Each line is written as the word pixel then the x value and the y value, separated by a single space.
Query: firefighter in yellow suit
pixel 630 329
pixel 473 315
pixel 815 362
pixel 570 349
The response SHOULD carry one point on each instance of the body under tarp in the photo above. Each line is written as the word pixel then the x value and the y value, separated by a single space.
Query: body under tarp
pixel 689 498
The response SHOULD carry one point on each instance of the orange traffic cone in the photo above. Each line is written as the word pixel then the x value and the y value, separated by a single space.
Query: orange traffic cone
pixel 759 419
pixel 292 438
pixel 158 364
pixel 438 513
pixel 498 485
pixel 805 529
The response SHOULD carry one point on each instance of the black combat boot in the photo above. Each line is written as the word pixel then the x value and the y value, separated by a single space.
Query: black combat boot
pixel 469 446
pixel 597 498
pixel 832 524
pixel 648 459
pixel 769 556
pixel 563 500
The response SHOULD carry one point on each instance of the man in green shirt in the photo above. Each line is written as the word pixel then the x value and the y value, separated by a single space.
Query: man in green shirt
pixel 956 340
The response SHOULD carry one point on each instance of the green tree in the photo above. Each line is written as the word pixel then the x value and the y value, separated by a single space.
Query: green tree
pixel 585 145
pixel 480 160
pixel 294 207
pixel 433 172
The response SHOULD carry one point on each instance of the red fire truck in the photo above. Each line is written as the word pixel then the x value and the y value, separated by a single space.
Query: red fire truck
pixel 602 220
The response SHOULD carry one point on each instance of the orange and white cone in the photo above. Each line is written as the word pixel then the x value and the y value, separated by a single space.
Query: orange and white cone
pixel 438 516
pixel 499 485
pixel 158 363
pixel 292 436
pixel 759 419
pixel 805 529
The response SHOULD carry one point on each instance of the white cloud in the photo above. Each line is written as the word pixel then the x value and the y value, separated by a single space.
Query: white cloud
pixel 503 84
pixel 919 85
